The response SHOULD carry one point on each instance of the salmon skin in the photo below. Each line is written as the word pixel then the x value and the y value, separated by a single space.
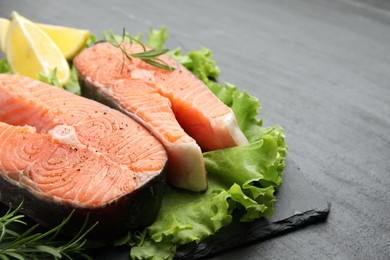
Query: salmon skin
pixel 174 105
pixel 60 152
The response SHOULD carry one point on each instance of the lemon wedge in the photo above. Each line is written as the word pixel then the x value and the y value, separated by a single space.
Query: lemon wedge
pixel 4 23
pixel 30 51
pixel 69 40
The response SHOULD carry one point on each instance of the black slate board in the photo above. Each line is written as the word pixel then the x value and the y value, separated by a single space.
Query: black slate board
pixel 298 205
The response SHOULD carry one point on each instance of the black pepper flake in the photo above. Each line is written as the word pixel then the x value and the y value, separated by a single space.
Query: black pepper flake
pixel 78 170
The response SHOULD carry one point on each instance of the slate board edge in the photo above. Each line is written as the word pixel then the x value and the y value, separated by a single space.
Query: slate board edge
pixel 262 233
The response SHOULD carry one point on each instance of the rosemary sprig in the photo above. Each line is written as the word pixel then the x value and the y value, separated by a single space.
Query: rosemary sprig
pixel 149 56
pixel 32 244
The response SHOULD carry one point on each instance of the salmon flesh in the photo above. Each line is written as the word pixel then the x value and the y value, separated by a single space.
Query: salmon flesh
pixel 174 105
pixel 61 152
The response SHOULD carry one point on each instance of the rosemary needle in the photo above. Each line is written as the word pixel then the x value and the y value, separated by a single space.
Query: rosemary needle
pixel 32 244
pixel 149 56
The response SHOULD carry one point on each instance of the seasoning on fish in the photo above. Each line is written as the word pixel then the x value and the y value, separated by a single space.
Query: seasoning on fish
pixel 174 105
pixel 59 152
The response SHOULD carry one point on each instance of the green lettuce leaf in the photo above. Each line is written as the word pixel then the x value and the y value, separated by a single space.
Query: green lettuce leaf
pixel 163 250
pixel 4 67
pixel 261 206
pixel 183 222
pixel 199 62
pixel 157 38
pixel 246 164
pixel 92 39
pixel 185 60
pixel 184 217
pixel 50 78
pixel 73 83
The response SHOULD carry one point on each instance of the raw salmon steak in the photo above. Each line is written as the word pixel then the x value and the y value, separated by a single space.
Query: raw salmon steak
pixel 174 105
pixel 60 152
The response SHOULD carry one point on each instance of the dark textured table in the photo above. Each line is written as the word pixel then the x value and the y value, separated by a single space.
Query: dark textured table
pixel 321 70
